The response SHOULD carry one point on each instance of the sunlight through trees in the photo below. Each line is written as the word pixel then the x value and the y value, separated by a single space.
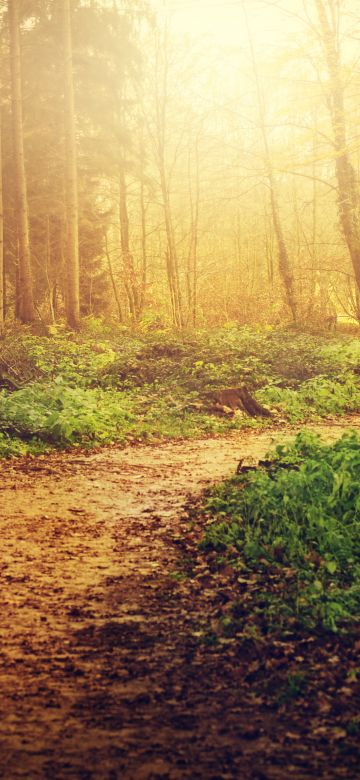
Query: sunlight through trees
pixel 180 164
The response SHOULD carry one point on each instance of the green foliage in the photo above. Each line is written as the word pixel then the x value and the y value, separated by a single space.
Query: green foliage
pixel 160 379
pixel 301 516
pixel 221 357
pixel 63 415
pixel 342 355
pixel 78 360
pixel 12 446
pixel 316 397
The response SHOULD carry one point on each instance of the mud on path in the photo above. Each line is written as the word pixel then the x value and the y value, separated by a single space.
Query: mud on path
pixel 102 675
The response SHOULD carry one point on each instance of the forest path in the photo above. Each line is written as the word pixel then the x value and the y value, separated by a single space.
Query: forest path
pixel 101 673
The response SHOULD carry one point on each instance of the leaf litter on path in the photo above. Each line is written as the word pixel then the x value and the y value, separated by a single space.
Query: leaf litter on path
pixel 106 670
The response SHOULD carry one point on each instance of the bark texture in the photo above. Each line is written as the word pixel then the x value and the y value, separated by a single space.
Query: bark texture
pixel 25 304
pixel 284 263
pixel 72 207
pixel 129 274
pixel 348 185
pixel 171 255
pixel 2 270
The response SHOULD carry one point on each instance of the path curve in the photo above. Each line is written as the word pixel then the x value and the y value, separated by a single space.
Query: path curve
pixel 97 667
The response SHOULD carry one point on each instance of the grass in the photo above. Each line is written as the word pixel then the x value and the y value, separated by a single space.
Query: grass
pixel 100 386
pixel 296 523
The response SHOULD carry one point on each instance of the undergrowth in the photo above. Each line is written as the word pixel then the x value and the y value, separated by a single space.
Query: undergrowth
pixel 98 387
pixel 296 522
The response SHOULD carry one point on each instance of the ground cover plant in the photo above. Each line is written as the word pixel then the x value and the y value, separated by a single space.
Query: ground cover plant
pixel 101 386
pixel 295 522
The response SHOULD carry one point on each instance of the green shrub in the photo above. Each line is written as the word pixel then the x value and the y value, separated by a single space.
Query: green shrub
pixel 317 397
pixel 10 446
pixel 86 382
pixel 60 414
pixel 301 512
pixel 28 358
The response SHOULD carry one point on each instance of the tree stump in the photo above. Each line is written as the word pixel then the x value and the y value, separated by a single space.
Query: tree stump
pixel 234 398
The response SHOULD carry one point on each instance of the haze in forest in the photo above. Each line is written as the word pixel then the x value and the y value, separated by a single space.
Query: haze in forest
pixel 179 306
pixel 222 23
pixel 180 163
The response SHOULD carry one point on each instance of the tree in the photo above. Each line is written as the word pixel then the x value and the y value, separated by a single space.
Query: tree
pixel 285 270
pixel 130 281
pixel 71 177
pixel 166 197
pixel 192 260
pixel 26 306
pixel 348 186
pixel 160 148
pixel 2 270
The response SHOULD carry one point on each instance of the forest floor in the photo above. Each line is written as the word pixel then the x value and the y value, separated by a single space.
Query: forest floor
pixel 105 671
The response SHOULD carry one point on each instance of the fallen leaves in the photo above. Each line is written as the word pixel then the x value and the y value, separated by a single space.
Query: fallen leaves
pixel 148 673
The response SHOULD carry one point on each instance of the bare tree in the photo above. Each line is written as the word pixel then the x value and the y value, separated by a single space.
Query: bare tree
pixel 2 270
pixel 172 260
pixel 129 275
pixel 285 269
pixel 112 278
pixel 194 201
pixel 26 308
pixel 143 219
pixel 72 208
pixel 348 185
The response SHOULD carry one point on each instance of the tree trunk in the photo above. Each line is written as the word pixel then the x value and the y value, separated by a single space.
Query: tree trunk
pixel 172 265
pixel 127 258
pixel 113 280
pixel 26 308
pixel 348 186
pixel 2 270
pixel 194 201
pixel 144 269
pixel 72 207
pixel 50 284
pixel 171 254
pixel 285 270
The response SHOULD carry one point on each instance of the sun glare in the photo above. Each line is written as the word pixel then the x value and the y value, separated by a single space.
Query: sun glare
pixel 224 23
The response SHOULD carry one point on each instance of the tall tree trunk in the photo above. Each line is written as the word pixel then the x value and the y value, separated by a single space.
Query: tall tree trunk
pixel 171 254
pixel 285 269
pixel 113 280
pixel 2 270
pixel 72 207
pixel 348 186
pixel 172 265
pixel 194 201
pixel 26 308
pixel 144 269
pixel 50 283
pixel 130 281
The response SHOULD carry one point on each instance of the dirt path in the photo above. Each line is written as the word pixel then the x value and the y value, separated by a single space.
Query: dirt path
pixel 101 673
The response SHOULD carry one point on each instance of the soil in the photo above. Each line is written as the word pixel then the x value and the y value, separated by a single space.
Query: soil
pixel 102 673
